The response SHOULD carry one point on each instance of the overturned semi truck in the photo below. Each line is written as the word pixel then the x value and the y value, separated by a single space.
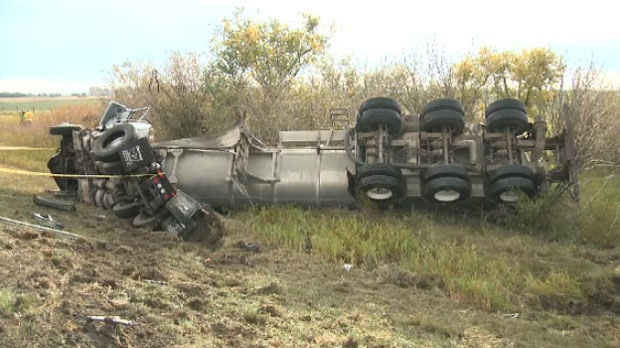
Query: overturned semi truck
pixel 385 158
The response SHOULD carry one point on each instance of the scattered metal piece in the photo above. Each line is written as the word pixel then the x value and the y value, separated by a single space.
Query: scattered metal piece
pixel 21 224
pixel 511 315
pixel 253 247
pixel 111 320
pixel 53 203
pixel 348 267
pixel 48 220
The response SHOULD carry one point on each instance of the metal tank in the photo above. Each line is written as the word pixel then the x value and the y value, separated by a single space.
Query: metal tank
pixel 233 169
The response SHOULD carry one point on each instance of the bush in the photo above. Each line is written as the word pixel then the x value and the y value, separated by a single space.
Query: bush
pixel 599 212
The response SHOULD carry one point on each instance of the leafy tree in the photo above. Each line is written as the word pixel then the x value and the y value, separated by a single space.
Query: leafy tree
pixel 270 53
pixel 261 60
pixel 532 76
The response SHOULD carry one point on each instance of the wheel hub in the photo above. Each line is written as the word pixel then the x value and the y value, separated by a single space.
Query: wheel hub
pixel 446 196
pixel 509 196
pixel 379 193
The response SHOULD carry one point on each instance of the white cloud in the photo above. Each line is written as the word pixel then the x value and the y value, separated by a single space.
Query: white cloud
pixel 390 26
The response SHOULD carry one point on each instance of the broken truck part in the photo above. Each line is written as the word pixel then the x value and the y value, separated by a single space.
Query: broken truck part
pixel 386 158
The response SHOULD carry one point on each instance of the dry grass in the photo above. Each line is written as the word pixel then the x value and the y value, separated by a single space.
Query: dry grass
pixel 14 133
pixel 37 134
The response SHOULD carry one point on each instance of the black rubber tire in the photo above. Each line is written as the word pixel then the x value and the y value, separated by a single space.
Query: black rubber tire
pixel 110 168
pixel 446 170
pixel 503 104
pixel 392 186
pixel 501 186
pixel 500 120
pixel 154 221
pixel 433 121
pixel 443 104
pixel 378 169
pixel 126 209
pixel 111 141
pixel 510 170
pixel 66 129
pixel 370 120
pixel 380 103
pixel 450 184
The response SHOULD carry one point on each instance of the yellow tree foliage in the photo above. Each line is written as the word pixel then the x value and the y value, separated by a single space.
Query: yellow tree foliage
pixel 532 75
pixel 270 54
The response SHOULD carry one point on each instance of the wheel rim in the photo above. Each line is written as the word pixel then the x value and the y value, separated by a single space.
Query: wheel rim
pixel 509 196
pixel 447 196
pixel 379 193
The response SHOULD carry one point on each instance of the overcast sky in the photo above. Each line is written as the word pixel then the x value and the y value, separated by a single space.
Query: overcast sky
pixel 69 46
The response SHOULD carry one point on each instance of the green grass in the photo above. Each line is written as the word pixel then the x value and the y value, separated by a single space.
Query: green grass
pixel 600 208
pixel 540 261
pixel 32 160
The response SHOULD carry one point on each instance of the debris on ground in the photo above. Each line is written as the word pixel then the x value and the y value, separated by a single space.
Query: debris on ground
pixel 246 246
pixel 111 320
pixel 48 220
pixel 53 203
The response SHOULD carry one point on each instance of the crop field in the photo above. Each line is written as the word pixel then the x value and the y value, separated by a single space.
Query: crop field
pixel 547 275
pixel 15 105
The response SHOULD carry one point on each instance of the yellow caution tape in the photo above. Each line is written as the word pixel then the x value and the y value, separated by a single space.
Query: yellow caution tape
pixel 77 176
pixel 21 148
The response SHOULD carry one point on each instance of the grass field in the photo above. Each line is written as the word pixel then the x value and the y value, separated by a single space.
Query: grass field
pixel 15 105
pixel 548 277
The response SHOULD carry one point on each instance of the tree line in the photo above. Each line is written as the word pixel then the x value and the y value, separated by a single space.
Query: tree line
pixel 281 78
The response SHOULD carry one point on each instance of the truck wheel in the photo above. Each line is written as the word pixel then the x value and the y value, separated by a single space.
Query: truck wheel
pixel 370 120
pixel 441 112
pixel 380 187
pixel 142 220
pixel 435 120
pixel 503 104
pixel 378 169
pixel 506 190
pixel 510 170
pixel 126 209
pixel 507 119
pixel 446 170
pixel 110 168
pixel 447 189
pixel 443 104
pixel 111 141
pixel 380 103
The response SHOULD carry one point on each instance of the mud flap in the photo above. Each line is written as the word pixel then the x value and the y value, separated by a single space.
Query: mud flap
pixel 136 154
